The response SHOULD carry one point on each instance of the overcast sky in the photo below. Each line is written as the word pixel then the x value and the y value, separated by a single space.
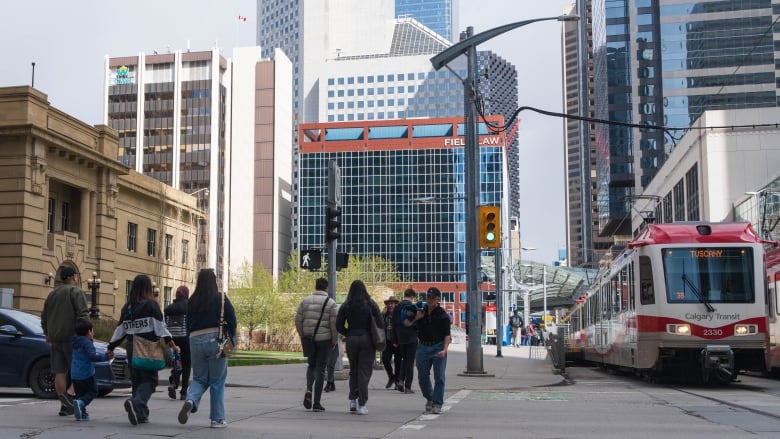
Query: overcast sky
pixel 68 42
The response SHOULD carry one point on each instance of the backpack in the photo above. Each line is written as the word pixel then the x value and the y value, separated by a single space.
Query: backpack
pixel 515 321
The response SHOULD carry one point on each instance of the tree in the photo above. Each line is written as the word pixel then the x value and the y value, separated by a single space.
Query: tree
pixel 255 300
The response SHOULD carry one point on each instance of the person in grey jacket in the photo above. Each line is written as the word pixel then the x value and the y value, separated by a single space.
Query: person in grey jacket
pixel 317 307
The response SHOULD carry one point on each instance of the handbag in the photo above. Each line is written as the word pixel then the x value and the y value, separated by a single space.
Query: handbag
pixel 378 335
pixel 226 347
pixel 307 341
pixel 147 354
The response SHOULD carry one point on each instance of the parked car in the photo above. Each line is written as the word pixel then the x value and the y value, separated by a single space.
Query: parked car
pixel 25 356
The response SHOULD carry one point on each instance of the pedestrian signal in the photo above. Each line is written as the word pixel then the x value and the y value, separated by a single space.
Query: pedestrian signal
pixel 490 226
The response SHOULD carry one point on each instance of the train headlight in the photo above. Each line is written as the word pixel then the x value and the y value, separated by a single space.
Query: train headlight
pixel 679 329
pixel 745 329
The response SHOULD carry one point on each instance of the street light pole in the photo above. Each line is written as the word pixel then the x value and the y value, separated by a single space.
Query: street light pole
pixel 94 284
pixel 468 47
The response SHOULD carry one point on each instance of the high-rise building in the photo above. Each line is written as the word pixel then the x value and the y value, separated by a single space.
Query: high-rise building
pixel 441 16
pixel 402 186
pixel 191 120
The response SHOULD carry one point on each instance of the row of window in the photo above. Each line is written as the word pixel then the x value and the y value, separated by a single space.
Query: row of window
pixel 151 243
pixel 64 216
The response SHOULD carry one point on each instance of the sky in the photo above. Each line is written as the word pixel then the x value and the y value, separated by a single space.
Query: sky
pixel 68 42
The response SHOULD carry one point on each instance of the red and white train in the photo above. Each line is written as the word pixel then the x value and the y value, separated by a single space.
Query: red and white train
pixel 773 301
pixel 684 299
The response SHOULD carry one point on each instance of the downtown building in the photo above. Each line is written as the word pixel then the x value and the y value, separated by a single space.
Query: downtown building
pixel 440 16
pixel 663 63
pixel 220 130
pixel 402 185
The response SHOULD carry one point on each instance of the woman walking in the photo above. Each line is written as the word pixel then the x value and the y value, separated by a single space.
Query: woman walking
pixel 353 321
pixel 209 368
pixel 140 317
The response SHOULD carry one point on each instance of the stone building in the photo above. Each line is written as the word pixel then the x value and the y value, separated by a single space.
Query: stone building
pixel 66 201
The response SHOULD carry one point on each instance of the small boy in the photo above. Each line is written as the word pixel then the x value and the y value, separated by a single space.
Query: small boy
pixel 82 369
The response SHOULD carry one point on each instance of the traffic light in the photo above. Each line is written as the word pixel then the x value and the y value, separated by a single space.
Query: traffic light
pixel 311 259
pixel 332 223
pixel 490 226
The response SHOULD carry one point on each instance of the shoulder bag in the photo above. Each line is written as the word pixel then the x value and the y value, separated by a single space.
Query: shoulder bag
pixel 307 341
pixel 378 335
pixel 147 354
pixel 226 347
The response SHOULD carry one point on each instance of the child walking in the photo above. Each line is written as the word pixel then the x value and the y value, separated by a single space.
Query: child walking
pixel 82 370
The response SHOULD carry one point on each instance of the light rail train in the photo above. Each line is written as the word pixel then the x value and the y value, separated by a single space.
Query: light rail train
pixel 683 300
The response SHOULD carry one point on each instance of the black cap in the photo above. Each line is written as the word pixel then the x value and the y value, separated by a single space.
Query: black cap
pixel 67 272
pixel 433 292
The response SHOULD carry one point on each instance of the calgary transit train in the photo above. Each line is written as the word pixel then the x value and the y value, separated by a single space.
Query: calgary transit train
pixel 683 300
pixel 773 288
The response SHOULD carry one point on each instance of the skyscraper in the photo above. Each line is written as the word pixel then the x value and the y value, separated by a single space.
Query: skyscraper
pixel 438 15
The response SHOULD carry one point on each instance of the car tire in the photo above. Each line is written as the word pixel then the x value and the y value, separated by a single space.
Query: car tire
pixel 41 379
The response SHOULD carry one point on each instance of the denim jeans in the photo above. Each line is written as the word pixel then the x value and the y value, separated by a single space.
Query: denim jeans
pixel 208 372
pixel 426 358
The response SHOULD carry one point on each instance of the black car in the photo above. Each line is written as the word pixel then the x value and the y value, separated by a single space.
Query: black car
pixel 25 356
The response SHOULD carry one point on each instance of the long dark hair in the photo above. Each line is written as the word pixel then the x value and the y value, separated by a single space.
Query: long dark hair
pixel 206 290
pixel 141 286
pixel 358 294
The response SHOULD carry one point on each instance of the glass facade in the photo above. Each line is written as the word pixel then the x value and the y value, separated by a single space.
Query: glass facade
pixel 435 14
pixel 403 203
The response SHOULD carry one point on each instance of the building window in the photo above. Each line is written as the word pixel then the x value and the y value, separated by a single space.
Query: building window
pixel 151 240
pixel 185 249
pixel 132 234
pixel 168 247
pixel 679 201
pixel 65 215
pixel 128 288
pixel 167 296
pixel 692 190
pixel 50 224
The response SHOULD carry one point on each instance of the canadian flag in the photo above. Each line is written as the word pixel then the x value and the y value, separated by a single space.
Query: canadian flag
pixel 241 18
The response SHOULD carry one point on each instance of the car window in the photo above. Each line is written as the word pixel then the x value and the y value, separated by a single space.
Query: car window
pixel 31 322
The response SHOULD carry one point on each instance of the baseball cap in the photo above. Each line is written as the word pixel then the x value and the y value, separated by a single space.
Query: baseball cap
pixel 67 272
pixel 391 299
pixel 433 292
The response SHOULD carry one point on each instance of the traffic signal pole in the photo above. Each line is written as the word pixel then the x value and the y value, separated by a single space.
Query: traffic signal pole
pixel 332 213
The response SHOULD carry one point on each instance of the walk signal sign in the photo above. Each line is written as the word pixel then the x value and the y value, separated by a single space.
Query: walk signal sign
pixel 311 259
pixel 490 226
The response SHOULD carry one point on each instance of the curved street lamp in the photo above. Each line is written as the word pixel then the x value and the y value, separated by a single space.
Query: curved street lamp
pixel 468 47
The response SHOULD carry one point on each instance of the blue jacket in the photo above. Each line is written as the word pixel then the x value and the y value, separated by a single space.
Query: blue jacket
pixel 82 364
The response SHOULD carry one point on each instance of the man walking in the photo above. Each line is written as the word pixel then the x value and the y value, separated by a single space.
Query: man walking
pixel 316 317
pixel 405 336
pixel 516 323
pixel 433 330
pixel 390 358
pixel 64 305
pixel 176 321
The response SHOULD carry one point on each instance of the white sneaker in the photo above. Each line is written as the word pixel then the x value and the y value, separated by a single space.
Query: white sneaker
pixel 362 410
pixel 353 405
pixel 219 424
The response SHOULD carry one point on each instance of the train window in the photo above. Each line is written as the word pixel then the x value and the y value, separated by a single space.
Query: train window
pixel 709 275
pixel 646 281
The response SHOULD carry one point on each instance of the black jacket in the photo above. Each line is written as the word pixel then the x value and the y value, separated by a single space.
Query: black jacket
pixel 404 334
pixel 176 318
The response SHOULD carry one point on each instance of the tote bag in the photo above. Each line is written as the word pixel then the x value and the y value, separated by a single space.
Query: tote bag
pixel 378 335
pixel 147 355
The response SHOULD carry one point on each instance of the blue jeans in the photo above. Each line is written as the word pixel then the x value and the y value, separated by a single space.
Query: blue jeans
pixel 208 372
pixel 426 358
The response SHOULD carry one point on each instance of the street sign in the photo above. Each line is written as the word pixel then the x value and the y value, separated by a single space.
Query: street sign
pixel 311 259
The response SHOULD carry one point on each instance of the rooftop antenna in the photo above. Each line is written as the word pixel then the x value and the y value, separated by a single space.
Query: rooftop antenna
pixel 33 75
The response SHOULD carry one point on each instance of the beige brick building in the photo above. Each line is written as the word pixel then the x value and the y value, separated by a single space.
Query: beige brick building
pixel 66 200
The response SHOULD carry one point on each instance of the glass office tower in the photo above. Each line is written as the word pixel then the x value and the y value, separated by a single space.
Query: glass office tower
pixel 439 15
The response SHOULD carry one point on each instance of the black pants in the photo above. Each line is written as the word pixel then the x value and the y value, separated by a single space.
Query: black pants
pixel 86 389
pixel 315 373
pixel 361 354
pixel 186 362
pixel 333 357
pixel 392 362
pixel 144 383
pixel 407 352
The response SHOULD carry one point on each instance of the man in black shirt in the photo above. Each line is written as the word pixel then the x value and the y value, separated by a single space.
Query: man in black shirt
pixel 405 336
pixel 433 331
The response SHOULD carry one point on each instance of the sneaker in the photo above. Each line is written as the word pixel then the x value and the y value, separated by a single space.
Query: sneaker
pixel 390 383
pixel 64 411
pixel 218 423
pixel 330 387
pixel 143 421
pixel 408 390
pixel 362 410
pixel 85 417
pixel 428 406
pixel 436 409
pixel 318 408
pixel 78 410
pixel 307 400
pixel 132 416
pixel 67 400
pixel 183 396
pixel 400 387
pixel 353 405
pixel 185 411
pixel 172 392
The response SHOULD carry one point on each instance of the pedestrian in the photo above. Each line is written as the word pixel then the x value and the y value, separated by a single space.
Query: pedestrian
pixel 353 321
pixel 209 368
pixel 176 321
pixel 433 330
pixel 333 357
pixel 391 360
pixel 316 318
pixel 82 371
pixel 406 339
pixel 64 306
pixel 140 317
pixel 516 323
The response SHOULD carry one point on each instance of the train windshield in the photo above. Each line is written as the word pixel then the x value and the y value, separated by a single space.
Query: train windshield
pixel 709 275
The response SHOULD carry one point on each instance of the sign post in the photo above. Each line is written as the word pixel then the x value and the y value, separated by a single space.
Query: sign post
pixel 334 202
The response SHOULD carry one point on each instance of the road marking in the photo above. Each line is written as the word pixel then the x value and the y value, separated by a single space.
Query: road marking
pixel 417 424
